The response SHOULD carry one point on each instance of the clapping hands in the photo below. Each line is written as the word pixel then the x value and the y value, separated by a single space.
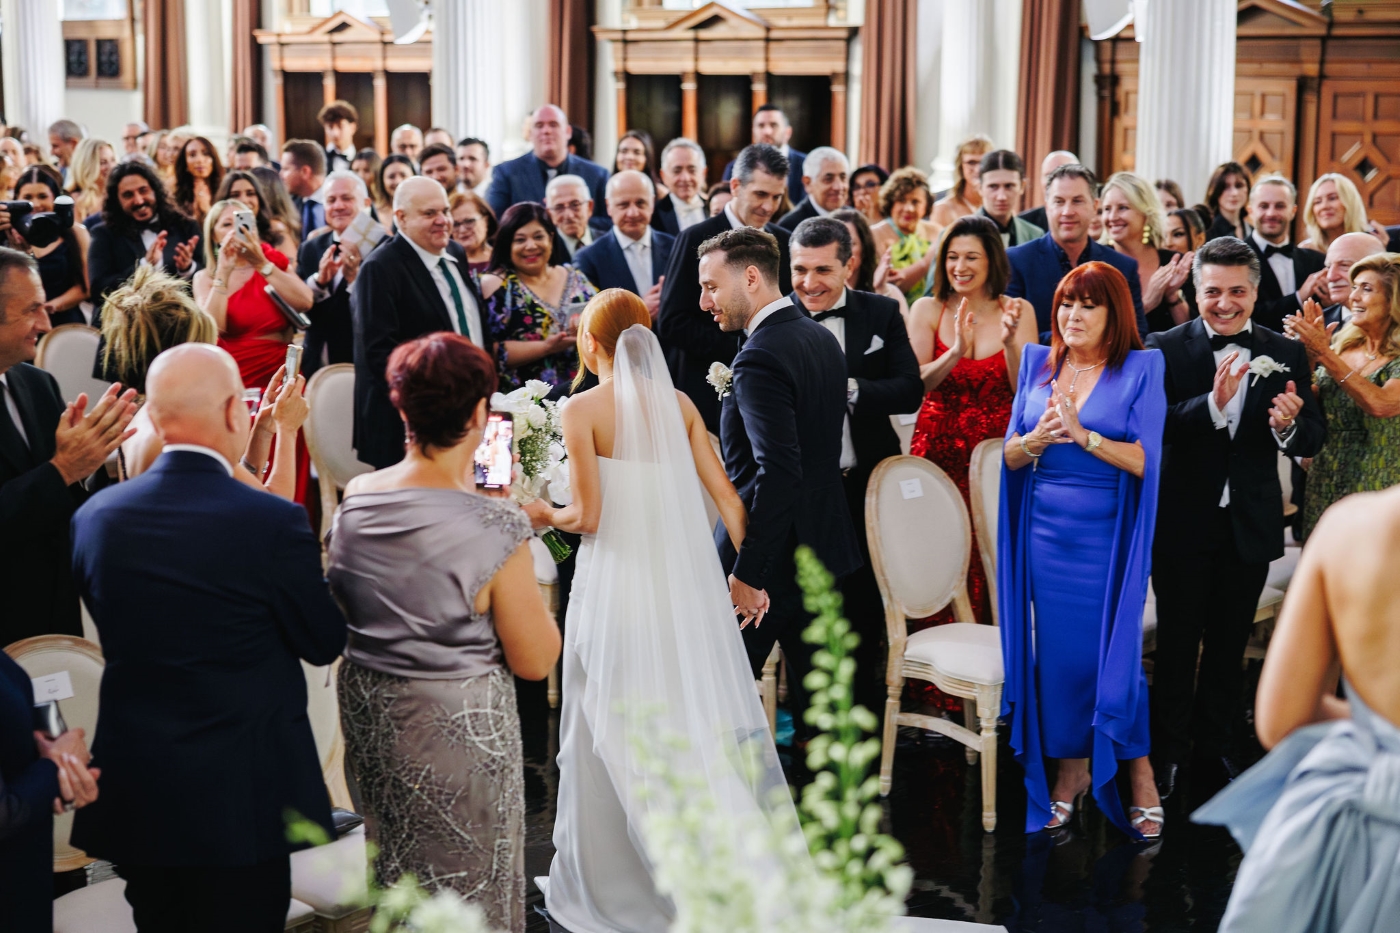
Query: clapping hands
pixel 750 604
pixel 1309 328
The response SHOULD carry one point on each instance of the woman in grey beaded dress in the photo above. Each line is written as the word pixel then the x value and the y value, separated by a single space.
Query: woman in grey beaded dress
pixel 439 588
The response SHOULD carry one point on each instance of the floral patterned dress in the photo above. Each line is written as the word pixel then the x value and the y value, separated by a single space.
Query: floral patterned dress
pixel 1362 453
pixel 516 313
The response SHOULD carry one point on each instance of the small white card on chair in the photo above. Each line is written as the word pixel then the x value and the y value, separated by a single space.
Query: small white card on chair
pixel 56 686
pixel 912 488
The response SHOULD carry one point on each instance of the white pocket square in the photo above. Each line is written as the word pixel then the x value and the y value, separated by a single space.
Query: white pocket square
pixel 876 343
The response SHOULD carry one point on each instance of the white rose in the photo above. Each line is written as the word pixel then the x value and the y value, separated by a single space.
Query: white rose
pixel 1264 366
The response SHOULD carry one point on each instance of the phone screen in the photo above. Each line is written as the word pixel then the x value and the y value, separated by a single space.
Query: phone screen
pixel 493 457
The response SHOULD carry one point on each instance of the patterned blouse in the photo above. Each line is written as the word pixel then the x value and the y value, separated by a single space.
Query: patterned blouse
pixel 516 313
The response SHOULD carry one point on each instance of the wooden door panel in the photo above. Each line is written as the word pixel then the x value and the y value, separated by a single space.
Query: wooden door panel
pixel 1359 136
pixel 1265 124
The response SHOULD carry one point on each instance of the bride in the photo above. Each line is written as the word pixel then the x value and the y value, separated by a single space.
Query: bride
pixel 650 631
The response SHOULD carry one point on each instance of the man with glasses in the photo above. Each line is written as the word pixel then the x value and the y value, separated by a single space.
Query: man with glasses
pixel 570 205
pixel 131 137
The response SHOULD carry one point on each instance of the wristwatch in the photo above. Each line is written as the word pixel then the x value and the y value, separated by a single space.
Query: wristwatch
pixel 1095 439
pixel 266 269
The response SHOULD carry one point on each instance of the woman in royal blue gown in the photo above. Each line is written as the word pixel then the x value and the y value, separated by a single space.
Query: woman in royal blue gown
pixel 1078 507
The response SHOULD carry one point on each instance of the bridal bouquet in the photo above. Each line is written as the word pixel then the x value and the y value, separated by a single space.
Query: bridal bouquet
pixel 542 465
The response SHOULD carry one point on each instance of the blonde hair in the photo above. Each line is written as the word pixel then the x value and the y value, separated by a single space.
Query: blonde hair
pixel 216 210
pixel 151 312
pixel 1141 198
pixel 605 317
pixel 85 177
pixel 1353 222
pixel 1387 266
pixel 973 145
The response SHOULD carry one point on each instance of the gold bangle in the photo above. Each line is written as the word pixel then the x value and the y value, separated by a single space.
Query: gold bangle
pixel 220 283
pixel 1027 451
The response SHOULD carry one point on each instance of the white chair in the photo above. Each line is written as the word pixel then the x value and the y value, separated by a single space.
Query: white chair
pixel 984 485
pixel 41 656
pixel 768 688
pixel 547 576
pixel 323 709
pixel 331 396
pixel 102 908
pixel 68 352
pixel 330 879
pixel 919 573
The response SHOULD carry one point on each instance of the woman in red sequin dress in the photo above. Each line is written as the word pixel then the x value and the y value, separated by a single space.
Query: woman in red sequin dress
pixel 968 337
pixel 251 328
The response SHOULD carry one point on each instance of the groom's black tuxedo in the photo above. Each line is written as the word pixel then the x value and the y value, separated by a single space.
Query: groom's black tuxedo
pixel 780 428
pixel 1210 561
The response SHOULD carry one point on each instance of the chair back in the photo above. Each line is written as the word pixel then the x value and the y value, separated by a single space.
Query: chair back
pixel 323 710
pixel 41 656
pixel 984 484
pixel 920 542
pixel 67 353
pixel 328 430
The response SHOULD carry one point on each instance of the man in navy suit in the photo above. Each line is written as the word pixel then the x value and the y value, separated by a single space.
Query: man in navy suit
pixel 411 285
pixel 771 127
pixel 1038 266
pixel 683 172
pixel 207 594
pixel 781 431
pixel 631 255
pixel 525 178
pixel 826 177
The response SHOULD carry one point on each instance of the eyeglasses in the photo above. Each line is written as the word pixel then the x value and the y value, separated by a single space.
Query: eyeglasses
pixel 865 186
pixel 571 207
pixel 466 223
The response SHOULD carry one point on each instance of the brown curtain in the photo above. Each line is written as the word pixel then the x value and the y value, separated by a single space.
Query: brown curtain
pixel 164 89
pixel 1048 115
pixel 569 76
pixel 246 94
pixel 888 84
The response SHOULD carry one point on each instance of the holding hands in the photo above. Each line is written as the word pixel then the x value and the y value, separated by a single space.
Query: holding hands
pixel 750 604
pixel 77 783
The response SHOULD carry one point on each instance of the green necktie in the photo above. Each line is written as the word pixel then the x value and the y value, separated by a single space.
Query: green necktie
pixel 456 298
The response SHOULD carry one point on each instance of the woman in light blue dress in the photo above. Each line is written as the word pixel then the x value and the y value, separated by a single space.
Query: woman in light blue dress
pixel 1319 817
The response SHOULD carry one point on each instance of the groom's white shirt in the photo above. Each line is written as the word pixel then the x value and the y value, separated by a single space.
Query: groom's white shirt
pixel 763 312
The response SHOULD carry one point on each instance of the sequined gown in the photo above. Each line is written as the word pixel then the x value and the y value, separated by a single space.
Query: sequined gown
pixel 970 405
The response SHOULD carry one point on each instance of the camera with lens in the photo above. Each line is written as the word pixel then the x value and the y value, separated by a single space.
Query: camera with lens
pixel 40 228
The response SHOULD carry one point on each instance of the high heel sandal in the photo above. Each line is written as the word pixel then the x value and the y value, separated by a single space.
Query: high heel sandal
pixel 1062 812
pixel 1139 815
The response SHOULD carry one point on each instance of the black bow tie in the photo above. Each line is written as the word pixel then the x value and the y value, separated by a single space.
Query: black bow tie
pixel 1244 339
pixel 834 312
pixel 1286 249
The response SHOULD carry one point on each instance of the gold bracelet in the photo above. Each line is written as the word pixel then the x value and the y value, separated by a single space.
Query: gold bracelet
pixel 220 283
pixel 1027 451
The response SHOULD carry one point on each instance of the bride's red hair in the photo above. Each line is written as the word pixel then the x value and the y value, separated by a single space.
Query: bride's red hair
pixel 611 312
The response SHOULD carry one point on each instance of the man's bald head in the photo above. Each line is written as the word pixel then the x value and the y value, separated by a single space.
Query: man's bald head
pixel 421 213
pixel 1345 251
pixel 549 135
pixel 1054 160
pixel 194 395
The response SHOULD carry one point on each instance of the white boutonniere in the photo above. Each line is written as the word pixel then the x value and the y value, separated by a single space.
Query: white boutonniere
pixel 722 378
pixel 1263 366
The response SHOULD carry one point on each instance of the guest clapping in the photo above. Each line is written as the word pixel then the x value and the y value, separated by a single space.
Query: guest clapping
pixel 439 587
pixel 198 174
pixel 1356 381
pixel 869 272
pixel 1133 225
pixel 1073 564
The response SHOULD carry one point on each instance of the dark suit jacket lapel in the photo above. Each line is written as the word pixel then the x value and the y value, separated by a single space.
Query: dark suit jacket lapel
pixel 1257 393
pixel 424 280
pixel 857 332
pixel 1269 289
pixel 12 449
pixel 1202 358
pixel 616 258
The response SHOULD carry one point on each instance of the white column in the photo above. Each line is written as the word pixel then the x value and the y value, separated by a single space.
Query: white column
pixel 928 69
pixel 33 65
pixel 978 77
pixel 488 92
pixel 209 66
pixel 608 13
pixel 1186 89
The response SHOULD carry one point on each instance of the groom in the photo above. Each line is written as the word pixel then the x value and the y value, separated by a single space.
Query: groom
pixel 780 428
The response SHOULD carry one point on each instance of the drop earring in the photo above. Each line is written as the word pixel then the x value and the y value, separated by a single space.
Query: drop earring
pixel 1146 234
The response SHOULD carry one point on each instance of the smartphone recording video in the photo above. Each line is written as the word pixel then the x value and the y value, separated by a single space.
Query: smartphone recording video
pixel 493 457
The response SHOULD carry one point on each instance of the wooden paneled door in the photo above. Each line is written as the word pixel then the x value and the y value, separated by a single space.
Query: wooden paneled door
pixel 1265 125
pixel 1359 136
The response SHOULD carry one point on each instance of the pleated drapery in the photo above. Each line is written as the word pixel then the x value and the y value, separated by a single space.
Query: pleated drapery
pixel 1048 111
pixel 888 85
pixel 164 88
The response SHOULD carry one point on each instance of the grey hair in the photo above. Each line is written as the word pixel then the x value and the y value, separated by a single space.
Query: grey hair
pixel 612 183
pixel 812 165
pixel 760 156
pixel 563 181
pixel 1276 179
pixel 343 173
pixel 681 142
pixel 11 259
pixel 66 130
pixel 1225 251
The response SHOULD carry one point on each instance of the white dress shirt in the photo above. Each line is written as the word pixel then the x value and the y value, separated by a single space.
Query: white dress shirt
pixel 734 222
pixel 201 449
pixel 575 245
pixel 12 408
pixel 1230 417
pixel 639 258
pixel 1281 265
pixel 688 213
pixel 763 312
pixel 148 236
pixel 469 306
pixel 837 326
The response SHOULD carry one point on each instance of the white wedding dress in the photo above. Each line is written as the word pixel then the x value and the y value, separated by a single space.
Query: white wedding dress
pixel 652 653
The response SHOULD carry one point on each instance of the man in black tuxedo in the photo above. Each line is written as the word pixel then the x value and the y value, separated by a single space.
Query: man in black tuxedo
pixel 329 267
pixel 46 451
pixel 411 285
pixel 1220 515
pixel 771 128
pixel 826 177
pixel 882 379
pixel 632 255
pixel 139 224
pixel 683 173
pixel 339 120
pixel 1289 275
pixel 207 595
pixel 781 433
pixel 689 334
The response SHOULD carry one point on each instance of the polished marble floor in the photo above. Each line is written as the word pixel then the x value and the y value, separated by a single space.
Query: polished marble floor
pixel 1089 878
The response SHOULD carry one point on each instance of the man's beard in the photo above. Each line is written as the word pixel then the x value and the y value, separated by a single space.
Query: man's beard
pixel 735 315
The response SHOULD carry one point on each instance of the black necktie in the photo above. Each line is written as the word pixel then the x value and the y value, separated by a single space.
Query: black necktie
pixel 1244 340
pixel 1286 249
pixel 834 312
